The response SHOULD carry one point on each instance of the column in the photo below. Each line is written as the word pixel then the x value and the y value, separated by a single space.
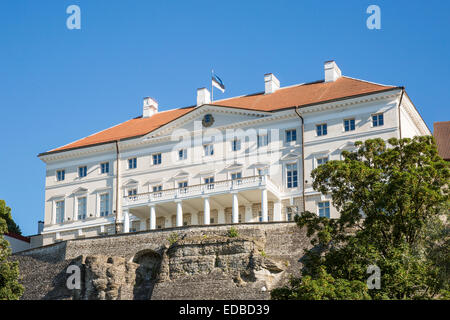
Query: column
pixel 126 221
pixel 179 214
pixel 206 211
pixel 277 211
pixel 235 212
pixel 248 213
pixel 152 217
pixel 264 211
pixel 221 215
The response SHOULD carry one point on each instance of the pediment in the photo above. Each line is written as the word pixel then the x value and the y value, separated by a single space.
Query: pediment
pixel 290 156
pixel 234 166
pixel 219 117
pixel 131 182
pixel 80 190
pixel 347 146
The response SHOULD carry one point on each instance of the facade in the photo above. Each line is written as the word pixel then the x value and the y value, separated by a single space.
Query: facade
pixel 441 133
pixel 237 160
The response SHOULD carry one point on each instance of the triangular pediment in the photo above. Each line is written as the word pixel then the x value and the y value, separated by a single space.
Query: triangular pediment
pixel 131 182
pixel 290 156
pixel 80 190
pixel 209 116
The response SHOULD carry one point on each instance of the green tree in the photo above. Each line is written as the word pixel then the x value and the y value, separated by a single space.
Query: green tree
pixel 5 213
pixel 391 201
pixel 10 288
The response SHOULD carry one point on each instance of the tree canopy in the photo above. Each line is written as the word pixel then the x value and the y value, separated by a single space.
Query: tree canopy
pixel 10 288
pixel 5 213
pixel 393 200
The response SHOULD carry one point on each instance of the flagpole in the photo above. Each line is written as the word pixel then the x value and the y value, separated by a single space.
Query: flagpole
pixel 212 87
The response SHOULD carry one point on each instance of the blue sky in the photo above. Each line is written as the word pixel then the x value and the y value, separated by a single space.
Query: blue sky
pixel 59 85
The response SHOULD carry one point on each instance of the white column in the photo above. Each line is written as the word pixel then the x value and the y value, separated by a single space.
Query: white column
pixel 248 213
pixel 206 211
pixel 235 212
pixel 277 211
pixel 152 218
pixel 221 216
pixel 126 221
pixel 179 214
pixel 264 211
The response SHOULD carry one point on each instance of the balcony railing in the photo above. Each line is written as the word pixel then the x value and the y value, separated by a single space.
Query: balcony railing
pixel 200 189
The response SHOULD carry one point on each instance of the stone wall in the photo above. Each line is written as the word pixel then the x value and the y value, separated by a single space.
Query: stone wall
pixel 194 262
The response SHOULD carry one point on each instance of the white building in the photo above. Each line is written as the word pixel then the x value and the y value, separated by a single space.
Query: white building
pixel 237 160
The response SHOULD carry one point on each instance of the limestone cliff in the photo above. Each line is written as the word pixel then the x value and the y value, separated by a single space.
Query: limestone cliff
pixel 184 263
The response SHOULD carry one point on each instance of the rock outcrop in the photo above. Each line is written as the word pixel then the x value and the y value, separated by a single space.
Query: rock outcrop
pixel 186 265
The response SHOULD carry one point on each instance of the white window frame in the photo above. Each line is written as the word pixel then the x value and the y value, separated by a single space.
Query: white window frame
pixel 350 129
pixel 183 155
pixel 56 201
pixel 100 204
pixel 320 158
pixel 378 119
pixel 329 207
pixel 77 215
pixel 101 167
pixel 236 145
pixel 210 148
pixel 63 171
pixel 321 125
pixel 286 175
pixel 84 168
pixel 262 137
pixel 134 159
pixel 286 136
pixel 158 156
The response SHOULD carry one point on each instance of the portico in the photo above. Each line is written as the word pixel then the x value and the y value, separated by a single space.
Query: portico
pixel 231 201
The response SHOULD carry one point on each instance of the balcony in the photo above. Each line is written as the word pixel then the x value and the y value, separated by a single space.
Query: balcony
pixel 199 190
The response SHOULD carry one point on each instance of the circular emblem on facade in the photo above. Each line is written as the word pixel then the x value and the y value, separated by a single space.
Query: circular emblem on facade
pixel 208 120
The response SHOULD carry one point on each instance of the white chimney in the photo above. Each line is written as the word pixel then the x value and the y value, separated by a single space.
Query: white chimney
pixel 332 71
pixel 203 96
pixel 150 107
pixel 271 83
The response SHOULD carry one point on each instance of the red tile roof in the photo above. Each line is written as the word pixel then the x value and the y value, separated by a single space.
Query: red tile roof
pixel 18 237
pixel 441 132
pixel 298 95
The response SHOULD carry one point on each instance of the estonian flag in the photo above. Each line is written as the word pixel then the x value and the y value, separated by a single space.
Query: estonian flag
pixel 217 82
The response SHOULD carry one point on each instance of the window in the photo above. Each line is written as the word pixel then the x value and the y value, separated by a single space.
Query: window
pixel 292 175
pixel 324 209
pixel 60 211
pixel 291 135
pixel 82 208
pixel 237 176
pixel 132 192
pixel 60 175
pixel 349 124
pixel 104 205
pixel 322 160
pixel 209 182
pixel 183 186
pixel 236 145
pixel 156 191
pixel 132 163
pixel 182 154
pixel 82 171
pixel 209 149
pixel 157 158
pixel 291 212
pixel 321 129
pixel 377 120
pixel 263 140
pixel 104 167
pixel 211 220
